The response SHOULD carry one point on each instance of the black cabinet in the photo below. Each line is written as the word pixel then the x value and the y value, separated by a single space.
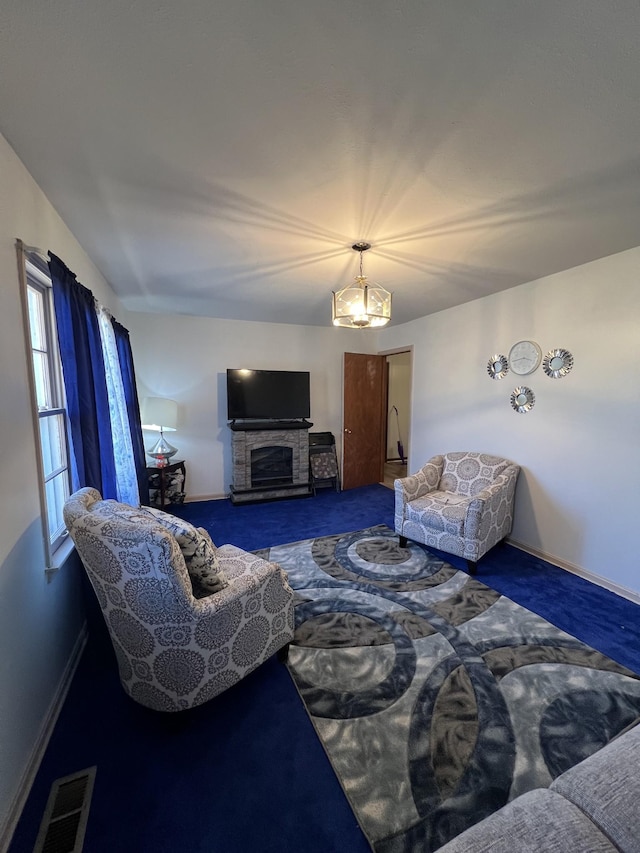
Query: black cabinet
pixel 167 483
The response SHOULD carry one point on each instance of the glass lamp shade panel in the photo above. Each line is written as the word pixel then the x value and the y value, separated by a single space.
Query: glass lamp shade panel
pixel 361 305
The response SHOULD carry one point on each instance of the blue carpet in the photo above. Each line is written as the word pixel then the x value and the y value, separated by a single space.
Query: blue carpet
pixel 255 526
pixel 246 772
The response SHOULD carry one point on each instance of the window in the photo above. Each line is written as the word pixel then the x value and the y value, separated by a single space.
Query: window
pixel 49 402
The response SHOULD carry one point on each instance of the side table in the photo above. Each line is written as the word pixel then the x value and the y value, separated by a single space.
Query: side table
pixel 163 473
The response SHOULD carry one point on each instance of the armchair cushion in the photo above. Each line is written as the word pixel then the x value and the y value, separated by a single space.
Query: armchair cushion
pixel 470 473
pixel 198 550
pixel 440 511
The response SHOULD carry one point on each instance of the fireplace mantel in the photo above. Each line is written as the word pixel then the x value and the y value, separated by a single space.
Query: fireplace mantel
pixel 291 436
pixel 251 426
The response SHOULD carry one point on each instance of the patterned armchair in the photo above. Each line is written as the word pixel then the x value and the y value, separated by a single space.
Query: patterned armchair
pixel 176 650
pixel 460 503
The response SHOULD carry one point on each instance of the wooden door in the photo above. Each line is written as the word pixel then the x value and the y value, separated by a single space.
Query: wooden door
pixel 363 433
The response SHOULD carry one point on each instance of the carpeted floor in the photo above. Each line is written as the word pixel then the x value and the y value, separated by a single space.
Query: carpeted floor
pixel 246 773
pixel 436 698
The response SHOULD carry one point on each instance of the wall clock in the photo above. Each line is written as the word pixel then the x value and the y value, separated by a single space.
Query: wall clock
pixel 525 357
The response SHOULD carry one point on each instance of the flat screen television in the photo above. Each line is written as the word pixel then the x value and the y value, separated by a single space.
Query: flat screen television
pixel 267 394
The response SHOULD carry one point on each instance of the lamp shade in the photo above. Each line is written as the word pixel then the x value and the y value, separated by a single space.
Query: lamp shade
pixel 159 414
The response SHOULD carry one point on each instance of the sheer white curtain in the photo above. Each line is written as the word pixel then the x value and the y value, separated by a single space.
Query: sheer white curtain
pixel 126 476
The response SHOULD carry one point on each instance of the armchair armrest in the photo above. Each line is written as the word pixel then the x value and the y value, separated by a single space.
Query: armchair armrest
pixel 422 482
pixel 489 500
pixel 250 574
pixel 415 486
pixel 246 622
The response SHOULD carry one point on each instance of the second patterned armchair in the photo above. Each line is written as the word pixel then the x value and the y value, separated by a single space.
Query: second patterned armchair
pixel 460 503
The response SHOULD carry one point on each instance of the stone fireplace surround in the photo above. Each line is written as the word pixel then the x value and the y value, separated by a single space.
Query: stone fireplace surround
pixel 247 437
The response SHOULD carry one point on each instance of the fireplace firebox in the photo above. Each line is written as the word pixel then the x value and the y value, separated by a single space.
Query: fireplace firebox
pixel 271 466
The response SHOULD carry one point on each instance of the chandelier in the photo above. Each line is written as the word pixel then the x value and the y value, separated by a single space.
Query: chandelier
pixel 363 304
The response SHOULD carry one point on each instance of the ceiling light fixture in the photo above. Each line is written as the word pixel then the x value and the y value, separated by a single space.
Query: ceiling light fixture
pixel 363 304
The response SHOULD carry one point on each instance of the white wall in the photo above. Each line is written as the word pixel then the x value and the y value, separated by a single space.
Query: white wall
pixel 39 621
pixel 579 448
pixel 186 358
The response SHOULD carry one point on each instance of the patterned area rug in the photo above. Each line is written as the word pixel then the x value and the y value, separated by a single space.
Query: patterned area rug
pixel 437 699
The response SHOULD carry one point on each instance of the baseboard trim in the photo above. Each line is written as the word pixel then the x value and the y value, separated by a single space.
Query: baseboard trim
pixel 40 745
pixel 618 589
pixel 193 498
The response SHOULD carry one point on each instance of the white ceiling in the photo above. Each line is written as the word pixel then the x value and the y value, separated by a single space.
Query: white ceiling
pixel 220 158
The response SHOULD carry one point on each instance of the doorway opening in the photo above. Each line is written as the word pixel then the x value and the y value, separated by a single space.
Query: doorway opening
pixel 398 415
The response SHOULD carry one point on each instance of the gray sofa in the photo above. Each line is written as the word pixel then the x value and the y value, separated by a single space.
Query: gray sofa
pixel 592 808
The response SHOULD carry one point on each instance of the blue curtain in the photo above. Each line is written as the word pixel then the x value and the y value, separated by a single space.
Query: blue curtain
pixel 125 356
pixel 92 457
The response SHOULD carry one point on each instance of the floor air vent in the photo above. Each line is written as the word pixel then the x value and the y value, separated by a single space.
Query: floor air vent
pixel 65 817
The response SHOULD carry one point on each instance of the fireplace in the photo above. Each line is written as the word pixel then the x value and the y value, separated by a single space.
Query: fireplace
pixel 270 461
pixel 271 466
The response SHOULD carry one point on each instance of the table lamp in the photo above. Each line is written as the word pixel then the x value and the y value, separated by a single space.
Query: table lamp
pixel 160 415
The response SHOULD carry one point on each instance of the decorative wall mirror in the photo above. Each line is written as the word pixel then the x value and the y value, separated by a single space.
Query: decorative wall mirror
pixel 498 366
pixel 522 399
pixel 557 363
